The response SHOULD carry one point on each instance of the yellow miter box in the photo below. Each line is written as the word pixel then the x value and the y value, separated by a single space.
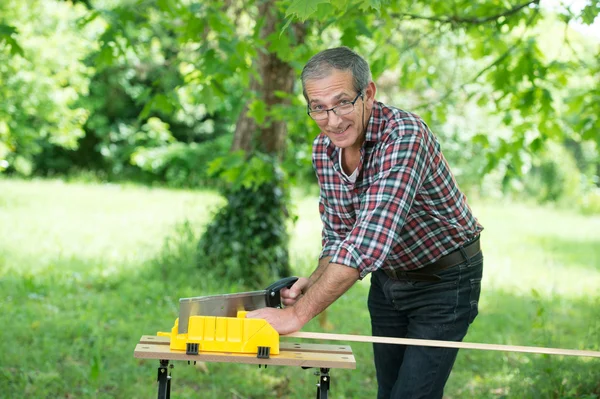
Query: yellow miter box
pixel 225 334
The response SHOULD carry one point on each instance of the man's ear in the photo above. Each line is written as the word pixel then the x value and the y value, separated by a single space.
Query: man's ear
pixel 369 96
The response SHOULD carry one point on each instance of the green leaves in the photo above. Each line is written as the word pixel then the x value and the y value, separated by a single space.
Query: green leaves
pixel 480 72
pixel 302 9
pixel 159 102
pixel 6 37
pixel 40 106
pixel 370 5
pixel 247 241
pixel 240 171
pixel 280 44
pixel 590 12
pixel 258 110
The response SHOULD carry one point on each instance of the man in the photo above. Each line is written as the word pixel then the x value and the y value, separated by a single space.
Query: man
pixel 390 207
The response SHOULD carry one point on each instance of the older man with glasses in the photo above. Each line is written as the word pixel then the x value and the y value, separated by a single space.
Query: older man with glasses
pixel 390 208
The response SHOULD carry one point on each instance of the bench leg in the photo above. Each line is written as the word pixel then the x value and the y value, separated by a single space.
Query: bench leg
pixel 323 385
pixel 164 380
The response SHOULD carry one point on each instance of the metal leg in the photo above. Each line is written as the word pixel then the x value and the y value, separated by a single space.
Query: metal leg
pixel 323 385
pixel 164 380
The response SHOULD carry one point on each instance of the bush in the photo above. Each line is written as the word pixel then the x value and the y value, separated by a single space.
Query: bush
pixel 554 177
pixel 247 241
pixel 180 164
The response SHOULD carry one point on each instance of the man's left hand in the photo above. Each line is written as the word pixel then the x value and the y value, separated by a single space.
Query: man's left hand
pixel 284 321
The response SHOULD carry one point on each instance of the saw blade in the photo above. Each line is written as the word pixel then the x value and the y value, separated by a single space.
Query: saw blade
pixel 226 305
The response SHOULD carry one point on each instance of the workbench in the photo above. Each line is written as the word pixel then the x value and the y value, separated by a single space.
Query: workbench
pixel 321 356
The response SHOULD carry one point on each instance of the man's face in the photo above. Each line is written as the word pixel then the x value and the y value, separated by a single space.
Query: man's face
pixel 345 131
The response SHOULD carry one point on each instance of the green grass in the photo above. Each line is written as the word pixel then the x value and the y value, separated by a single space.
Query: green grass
pixel 85 270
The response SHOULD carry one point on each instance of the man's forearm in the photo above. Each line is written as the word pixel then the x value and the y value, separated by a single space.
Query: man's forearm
pixel 332 282
pixel 323 263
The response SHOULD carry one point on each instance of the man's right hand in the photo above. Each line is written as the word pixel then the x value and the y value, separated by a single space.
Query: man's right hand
pixel 289 296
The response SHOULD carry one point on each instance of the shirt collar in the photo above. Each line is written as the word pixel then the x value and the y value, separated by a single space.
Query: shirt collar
pixel 376 123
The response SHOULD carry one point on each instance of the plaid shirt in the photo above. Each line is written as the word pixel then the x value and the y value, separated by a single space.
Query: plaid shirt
pixel 404 211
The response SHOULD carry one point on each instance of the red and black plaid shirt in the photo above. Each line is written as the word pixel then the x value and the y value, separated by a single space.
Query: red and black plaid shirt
pixel 405 210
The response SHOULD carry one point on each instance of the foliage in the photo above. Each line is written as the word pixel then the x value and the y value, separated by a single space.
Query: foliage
pixel 7 33
pixel 554 176
pixel 247 240
pixel 138 82
pixel 137 71
pixel 486 76
pixel 441 59
pixel 179 164
pixel 39 89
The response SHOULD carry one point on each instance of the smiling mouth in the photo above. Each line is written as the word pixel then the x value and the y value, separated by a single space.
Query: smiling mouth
pixel 339 132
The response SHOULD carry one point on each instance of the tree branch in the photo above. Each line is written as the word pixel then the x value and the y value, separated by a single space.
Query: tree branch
pixel 494 63
pixel 574 53
pixel 457 19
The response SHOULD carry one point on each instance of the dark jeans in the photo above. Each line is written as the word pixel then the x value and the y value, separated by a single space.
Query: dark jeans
pixel 441 310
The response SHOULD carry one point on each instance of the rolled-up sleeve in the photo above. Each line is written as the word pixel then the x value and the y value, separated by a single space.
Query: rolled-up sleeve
pixel 404 166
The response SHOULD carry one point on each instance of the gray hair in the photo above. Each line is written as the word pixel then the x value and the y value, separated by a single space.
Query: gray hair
pixel 322 65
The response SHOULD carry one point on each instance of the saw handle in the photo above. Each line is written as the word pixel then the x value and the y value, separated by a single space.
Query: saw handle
pixel 272 293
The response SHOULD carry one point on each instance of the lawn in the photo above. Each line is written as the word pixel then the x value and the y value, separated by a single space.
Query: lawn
pixel 86 269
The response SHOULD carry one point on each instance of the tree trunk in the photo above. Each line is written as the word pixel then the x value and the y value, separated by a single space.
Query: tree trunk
pixel 275 75
pixel 248 238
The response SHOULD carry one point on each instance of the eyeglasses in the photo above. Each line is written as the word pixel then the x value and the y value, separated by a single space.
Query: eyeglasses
pixel 344 108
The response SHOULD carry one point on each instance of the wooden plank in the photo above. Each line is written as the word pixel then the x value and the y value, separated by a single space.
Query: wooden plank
pixel 283 346
pixel 446 344
pixel 317 348
pixel 154 339
pixel 285 358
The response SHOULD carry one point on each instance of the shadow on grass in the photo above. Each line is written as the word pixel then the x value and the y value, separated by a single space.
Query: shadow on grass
pixel 72 334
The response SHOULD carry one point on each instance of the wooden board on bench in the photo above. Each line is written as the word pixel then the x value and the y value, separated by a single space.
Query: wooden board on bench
pixel 290 354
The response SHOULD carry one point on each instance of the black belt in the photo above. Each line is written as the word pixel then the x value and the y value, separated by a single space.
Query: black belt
pixel 426 273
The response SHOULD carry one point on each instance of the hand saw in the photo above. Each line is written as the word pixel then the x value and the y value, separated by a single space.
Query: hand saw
pixel 227 305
